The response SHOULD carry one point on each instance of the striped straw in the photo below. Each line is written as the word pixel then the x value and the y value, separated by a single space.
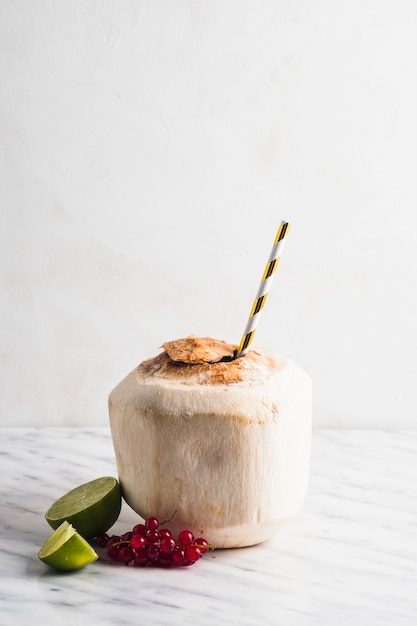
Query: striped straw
pixel 263 290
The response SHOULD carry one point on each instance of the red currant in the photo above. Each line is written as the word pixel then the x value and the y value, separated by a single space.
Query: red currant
pixel 112 540
pixel 140 529
pixel 185 538
pixel 178 556
pixel 152 552
pixel 168 545
pixel 140 557
pixel 152 536
pixel 137 542
pixel 151 523
pixel 145 545
pixel 102 540
pixel 202 544
pixel 113 551
pixel 164 559
pixel 126 554
pixel 192 554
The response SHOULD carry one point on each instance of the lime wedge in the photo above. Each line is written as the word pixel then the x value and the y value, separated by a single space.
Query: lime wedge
pixel 66 550
pixel 91 508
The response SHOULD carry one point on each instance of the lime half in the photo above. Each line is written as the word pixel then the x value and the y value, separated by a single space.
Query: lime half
pixel 91 508
pixel 66 550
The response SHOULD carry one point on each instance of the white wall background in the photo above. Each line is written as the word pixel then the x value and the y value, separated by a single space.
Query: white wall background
pixel 148 153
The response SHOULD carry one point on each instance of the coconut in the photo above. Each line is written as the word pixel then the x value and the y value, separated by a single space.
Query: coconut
pixel 220 445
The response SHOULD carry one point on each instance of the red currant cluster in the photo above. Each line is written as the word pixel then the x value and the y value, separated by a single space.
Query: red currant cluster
pixel 146 545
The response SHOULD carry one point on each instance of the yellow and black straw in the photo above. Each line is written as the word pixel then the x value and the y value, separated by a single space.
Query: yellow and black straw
pixel 264 287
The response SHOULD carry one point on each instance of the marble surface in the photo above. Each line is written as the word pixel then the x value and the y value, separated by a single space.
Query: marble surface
pixel 349 558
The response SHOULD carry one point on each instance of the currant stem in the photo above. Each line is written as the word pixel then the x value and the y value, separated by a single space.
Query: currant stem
pixel 169 519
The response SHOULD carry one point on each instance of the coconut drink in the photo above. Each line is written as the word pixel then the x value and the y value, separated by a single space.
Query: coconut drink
pixel 216 437
pixel 219 444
